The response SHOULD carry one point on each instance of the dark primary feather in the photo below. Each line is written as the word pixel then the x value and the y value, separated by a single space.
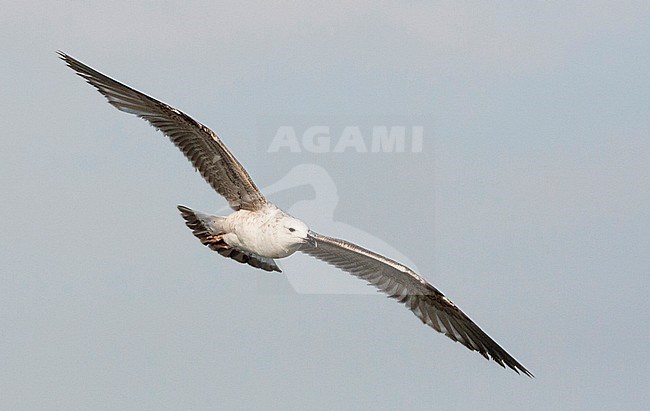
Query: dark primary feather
pixel 199 144
pixel 403 284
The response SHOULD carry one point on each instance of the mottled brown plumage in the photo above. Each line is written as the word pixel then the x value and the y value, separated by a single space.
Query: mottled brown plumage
pixel 275 234
pixel 403 284
pixel 200 145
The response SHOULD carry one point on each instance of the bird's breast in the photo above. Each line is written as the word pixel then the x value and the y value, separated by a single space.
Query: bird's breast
pixel 257 232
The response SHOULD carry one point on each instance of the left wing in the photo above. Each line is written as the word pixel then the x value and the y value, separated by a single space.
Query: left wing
pixel 199 144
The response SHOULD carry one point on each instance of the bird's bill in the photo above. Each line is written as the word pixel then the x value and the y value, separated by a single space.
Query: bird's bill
pixel 311 239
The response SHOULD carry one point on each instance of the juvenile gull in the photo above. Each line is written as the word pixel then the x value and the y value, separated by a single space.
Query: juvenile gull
pixel 257 232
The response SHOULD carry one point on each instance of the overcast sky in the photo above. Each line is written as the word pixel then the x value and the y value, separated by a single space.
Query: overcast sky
pixel 527 203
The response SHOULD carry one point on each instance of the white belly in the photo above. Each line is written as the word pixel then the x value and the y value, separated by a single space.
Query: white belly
pixel 259 232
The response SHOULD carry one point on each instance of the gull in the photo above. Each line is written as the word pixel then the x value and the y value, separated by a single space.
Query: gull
pixel 258 232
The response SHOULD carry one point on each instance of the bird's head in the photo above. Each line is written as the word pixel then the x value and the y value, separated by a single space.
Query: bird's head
pixel 296 232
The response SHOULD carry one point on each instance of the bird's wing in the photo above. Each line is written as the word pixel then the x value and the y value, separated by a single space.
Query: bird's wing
pixel 200 145
pixel 403 284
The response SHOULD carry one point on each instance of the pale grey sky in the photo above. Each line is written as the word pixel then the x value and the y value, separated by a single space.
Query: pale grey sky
pixel 527 206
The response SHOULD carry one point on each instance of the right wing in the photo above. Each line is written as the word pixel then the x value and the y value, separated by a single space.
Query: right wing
pixel 403 284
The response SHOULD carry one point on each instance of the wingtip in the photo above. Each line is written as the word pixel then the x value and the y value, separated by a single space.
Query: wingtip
pixel 182 208
pixel 519 369
pixel 63 56
pixel 527 373
pixel 70 61
pixel 516 367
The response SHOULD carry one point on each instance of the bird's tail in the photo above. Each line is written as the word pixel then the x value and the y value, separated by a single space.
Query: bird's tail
pixel 203 226
pixel 209 229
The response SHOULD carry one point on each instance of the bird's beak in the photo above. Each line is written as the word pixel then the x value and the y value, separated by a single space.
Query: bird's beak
pixel 311 239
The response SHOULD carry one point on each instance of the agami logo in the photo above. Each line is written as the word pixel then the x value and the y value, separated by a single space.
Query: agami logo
pixel 321 139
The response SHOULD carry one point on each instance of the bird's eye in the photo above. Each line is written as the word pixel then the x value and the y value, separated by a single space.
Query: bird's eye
pixel 292 229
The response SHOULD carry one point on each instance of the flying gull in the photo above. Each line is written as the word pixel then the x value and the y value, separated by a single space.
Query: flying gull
pixel 258 232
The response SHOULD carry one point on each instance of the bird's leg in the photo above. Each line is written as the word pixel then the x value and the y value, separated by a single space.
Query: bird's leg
pixel 215 242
